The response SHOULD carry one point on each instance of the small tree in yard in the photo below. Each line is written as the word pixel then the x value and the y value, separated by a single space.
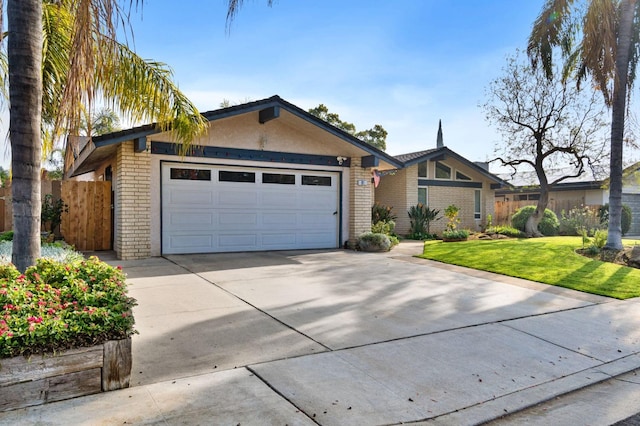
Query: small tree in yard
pixel 546 125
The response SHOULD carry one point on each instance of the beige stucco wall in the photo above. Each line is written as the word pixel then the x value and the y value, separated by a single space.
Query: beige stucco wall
pixel 286 134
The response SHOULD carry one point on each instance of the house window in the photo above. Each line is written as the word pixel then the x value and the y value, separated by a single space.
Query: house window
pixel 422 195
pixel 189 174
pixel 316 180
pixel 225 176
pixel 422 169
pixel 477 210
pixel 279 178
pixel 460 176
pixel 442 171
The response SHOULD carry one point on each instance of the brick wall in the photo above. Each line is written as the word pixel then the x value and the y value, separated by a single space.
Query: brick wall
pixel 133 203
pixel 360 202
pixel 440 197
pixel 399 191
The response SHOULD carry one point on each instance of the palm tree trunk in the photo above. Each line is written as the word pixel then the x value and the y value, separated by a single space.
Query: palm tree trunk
pixel 623 52
pixel 24 51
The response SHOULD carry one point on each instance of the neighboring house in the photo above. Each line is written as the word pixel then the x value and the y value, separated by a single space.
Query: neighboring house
pixel 439 177
pixel 266 176
pixel 584 190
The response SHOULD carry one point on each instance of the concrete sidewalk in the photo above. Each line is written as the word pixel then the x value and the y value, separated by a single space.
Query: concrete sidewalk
pixel 341 337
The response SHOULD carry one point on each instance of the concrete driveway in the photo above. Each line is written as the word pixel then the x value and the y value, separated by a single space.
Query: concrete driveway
pixel 349 338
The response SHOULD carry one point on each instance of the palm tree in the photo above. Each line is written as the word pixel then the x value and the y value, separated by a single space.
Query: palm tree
pixel 62 55
pixel 608 51
pixel 134 88
pixel 24 47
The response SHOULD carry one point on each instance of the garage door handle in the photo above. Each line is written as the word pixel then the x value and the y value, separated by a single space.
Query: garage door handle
pixel 335 213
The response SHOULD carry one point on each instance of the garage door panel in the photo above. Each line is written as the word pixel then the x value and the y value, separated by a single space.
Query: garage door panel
pixel 280 220
pixel 280 200
pixel 317 219
pixel 318 199
pixel 274 241
pixel 191 220
pixel 237 219
pixel 244 241
pixel 181 196
pixel 200 216
pixel 310 238
pixel 191 241
pixel 230 199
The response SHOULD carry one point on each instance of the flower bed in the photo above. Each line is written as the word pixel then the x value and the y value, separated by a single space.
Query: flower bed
pixel 55 307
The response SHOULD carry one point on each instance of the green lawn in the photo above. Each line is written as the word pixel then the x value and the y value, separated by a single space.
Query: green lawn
pixel 550 260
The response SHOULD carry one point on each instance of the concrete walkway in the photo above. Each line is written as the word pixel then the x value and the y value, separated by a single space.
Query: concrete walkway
pixel 348 338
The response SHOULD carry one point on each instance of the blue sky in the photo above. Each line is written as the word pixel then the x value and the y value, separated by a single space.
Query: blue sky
pixel 401 64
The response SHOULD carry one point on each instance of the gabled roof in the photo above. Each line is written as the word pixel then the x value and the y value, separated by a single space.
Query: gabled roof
pixel 101 147
pixel 442 153
pixel 408 158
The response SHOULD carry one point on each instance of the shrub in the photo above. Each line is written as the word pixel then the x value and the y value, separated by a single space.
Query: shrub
pixel 6 236
pixel 420 217
pixel 382 213
pixel 626 217
pixel 505 230
pixel 388 229
pixel 374 242
pixel 579 218
pixel 52 211
pixel 455 234
pixel 383 227
pixel 55 306
pixel 548 224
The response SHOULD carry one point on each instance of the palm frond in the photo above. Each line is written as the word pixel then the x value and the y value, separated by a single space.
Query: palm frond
pixel 551 29
pixel 599 44
pixel 233 7
pixel 144 91
pixel 634 54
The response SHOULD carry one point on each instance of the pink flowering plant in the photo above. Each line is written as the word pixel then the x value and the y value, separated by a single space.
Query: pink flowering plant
pixel 55 306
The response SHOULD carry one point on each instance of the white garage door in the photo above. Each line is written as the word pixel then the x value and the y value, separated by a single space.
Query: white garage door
pixel 207 209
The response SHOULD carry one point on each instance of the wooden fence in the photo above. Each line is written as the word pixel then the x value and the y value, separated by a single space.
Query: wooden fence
pixel 87 223
pixel 503 210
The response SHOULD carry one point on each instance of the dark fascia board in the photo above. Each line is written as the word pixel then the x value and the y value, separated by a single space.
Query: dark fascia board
pixel 569 186
pixel 437 155
pixel 274 101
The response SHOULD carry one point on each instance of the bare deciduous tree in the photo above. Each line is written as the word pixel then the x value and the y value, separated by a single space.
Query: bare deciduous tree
pixel 545 125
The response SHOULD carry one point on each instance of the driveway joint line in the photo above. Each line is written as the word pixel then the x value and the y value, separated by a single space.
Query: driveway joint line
pixel 252 305
pixel 555 344
pixel 270 386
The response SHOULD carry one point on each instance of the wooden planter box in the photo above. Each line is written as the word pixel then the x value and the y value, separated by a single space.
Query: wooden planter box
pixel 40 379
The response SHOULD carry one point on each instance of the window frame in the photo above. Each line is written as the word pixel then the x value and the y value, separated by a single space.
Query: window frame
pixel 443 165
pixel 465 178
pixel 426 194
pixel 426 169
pixel 477 204
pixel 229 173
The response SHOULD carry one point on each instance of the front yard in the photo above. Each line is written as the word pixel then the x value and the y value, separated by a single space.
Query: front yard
pixel 550 260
